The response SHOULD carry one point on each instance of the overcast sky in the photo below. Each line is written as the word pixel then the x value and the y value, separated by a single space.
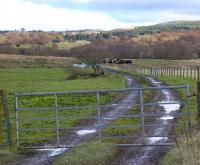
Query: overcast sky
pixel 93 14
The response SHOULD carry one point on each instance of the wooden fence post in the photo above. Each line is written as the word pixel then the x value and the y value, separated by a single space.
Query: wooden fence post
pixel 191 73
pixel 187 72
pixel 198 76
pixel 180 73
pixel 1 121
pixel 174 72
pixel 6 115
pixel 198 102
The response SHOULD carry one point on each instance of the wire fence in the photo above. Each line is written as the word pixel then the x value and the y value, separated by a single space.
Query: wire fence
pixel 192 72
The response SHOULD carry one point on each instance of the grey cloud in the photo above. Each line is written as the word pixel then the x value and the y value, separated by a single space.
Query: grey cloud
pixel 125 10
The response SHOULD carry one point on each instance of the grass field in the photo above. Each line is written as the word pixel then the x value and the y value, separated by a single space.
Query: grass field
pixel 61 45
pixel 56 79
pixel 93 153
pixel 48 74
pixel 50 80
pixel 166 63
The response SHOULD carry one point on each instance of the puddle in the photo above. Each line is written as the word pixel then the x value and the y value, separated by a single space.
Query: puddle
pixel 79 65
pixel 54 151
pixel 154 81
pixel 86 132
pixel 154 140
pixel 170 107
pixel 167 118
pixel 109 118
pixel 168 96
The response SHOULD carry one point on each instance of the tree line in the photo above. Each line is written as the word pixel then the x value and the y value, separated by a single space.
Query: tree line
pixel 184 47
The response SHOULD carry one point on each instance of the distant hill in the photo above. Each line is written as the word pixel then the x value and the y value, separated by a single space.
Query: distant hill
pixel 128 32
pixel 182 23
pixel 174 26
pixel 158 28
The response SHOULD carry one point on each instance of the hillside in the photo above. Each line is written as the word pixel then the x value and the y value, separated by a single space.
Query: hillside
pixel 96 34
pixel 171 40
pixel 173 26
pixel 166 45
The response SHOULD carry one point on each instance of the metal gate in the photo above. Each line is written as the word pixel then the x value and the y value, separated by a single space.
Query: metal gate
pixel 65 119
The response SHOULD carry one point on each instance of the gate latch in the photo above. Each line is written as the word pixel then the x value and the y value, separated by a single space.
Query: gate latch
pixel 193 94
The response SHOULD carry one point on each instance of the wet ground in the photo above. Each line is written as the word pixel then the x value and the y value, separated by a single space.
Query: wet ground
pixel 129 156
pixel 150 155
pixel 47 156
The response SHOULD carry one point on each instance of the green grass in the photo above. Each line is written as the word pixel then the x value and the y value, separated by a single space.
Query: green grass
pixel 50 80
pixel 89 154
pixel 53 80
pixel 185 152
pixel 164 63
pixel 8 156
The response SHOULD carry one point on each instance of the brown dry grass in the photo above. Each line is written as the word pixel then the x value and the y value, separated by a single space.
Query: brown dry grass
pixel 35 58
pixel 162 37
pixel 29 61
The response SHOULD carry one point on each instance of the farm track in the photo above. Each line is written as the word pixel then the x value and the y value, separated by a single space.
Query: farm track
pixel 151 155
pixel 47 157
pixel 127 156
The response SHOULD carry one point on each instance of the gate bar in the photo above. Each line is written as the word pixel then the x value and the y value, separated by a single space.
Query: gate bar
pixel 142 115
pixel 100 91
pixel 17 121
pixel 98 115
pixel 57 120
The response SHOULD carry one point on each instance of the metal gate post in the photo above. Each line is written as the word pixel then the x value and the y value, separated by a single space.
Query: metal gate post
pixel 57 119
pixel 17 120
pixel 98 115
pixel 142 115
pixel 188 107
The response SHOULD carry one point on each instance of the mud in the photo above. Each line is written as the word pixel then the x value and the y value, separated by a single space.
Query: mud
pixel 157 135
pixel 47 156
pixel 128 156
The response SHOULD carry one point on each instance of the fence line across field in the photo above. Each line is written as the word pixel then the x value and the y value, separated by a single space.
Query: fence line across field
pixel 192 72
pixel 99 117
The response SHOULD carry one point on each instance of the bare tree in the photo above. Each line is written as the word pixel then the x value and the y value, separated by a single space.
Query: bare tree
pixel 93 55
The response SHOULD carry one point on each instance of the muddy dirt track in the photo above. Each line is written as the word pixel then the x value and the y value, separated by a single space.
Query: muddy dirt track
pixel 128 156
pixel 47 156
pixel 150 155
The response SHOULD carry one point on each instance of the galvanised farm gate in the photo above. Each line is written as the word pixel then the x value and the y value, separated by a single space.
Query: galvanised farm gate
pixel 58 119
